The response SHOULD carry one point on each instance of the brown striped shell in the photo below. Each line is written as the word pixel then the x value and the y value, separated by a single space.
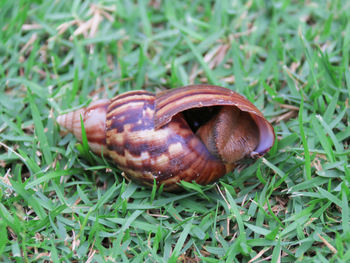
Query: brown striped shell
pixel 194 133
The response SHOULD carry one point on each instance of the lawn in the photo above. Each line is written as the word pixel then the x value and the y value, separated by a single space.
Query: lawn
pixel 61 203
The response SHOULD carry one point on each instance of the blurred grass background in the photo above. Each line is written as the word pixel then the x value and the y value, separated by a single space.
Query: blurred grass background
pixel 291 58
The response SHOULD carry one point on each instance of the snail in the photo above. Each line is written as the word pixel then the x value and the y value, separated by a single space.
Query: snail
pixel 194 133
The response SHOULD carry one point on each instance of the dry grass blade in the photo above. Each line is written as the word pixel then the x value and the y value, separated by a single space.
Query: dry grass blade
pixel 259 255
pixel 331 248
pixel 27 46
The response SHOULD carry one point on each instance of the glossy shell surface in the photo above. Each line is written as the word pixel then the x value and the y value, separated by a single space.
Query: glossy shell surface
pixel 150 137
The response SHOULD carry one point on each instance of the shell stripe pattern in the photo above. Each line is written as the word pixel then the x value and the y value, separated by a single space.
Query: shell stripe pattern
pixel 171 153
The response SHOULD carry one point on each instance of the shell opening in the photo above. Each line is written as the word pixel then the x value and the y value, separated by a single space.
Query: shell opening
pixel 199 117
pixel 196 117
pixel 227 132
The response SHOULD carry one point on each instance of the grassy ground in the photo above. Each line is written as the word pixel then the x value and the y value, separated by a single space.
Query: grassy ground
pixel 291 58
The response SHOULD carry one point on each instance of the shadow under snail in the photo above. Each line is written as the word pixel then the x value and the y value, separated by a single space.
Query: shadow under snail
pixel 194 133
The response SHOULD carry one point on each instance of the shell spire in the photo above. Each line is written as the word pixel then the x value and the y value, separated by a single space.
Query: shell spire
pixel 94 119
pixel 71 122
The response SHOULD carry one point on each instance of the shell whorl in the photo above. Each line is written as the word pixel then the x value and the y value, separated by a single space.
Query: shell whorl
pixel 168 154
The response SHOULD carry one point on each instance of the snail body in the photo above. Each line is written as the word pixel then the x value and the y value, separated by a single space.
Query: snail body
pixel 194 133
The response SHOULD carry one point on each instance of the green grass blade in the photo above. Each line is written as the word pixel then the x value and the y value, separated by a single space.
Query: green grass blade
pixel 307 166
pixel 39 129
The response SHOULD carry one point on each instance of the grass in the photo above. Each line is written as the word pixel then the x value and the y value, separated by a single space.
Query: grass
pixel 60 203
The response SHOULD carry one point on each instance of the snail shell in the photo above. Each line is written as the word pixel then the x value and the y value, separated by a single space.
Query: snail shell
pixel 194 133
